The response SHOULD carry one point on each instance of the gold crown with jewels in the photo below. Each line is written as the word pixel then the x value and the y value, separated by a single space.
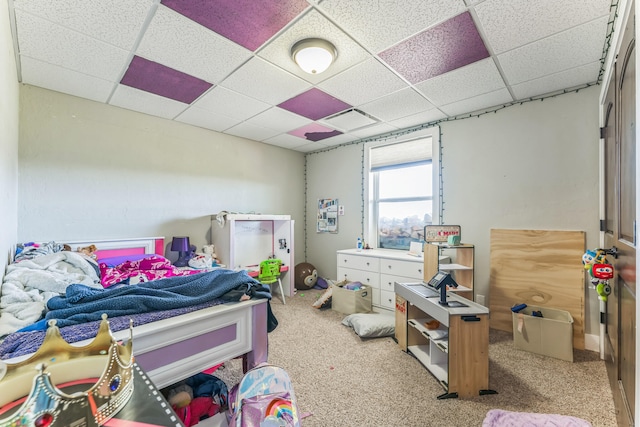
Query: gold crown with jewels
pixel 104 364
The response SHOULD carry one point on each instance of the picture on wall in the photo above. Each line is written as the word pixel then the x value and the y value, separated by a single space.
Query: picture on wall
pixel 327 216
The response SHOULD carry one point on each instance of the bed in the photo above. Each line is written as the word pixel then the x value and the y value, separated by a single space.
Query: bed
pixel 170 345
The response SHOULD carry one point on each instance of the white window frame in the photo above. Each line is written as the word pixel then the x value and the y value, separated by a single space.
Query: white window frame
pixel 370 224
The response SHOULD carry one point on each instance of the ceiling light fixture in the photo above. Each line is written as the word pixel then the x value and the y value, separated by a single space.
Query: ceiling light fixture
pixel 313 55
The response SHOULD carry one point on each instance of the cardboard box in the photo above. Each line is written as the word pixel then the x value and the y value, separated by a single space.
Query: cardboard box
pixel 347 301
pixel 550 335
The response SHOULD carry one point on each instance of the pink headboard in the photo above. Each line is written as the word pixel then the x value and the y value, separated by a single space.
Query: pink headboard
pixel 123 247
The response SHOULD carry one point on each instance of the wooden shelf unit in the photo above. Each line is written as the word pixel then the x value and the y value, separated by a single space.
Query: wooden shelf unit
pixel 457 353
pixel 460 265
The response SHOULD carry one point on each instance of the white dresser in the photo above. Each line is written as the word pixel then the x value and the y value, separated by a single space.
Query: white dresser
pixel 380 269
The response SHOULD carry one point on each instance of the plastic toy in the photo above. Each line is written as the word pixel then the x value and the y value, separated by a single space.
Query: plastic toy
pixel 602 271
pixel 604 290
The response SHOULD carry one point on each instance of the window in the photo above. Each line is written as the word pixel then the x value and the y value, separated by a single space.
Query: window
pixel 402 197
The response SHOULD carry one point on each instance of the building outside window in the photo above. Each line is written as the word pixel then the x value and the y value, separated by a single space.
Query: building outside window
pixel 403 191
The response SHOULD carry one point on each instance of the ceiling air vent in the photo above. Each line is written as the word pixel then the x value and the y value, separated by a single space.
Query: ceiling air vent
pixel 350 120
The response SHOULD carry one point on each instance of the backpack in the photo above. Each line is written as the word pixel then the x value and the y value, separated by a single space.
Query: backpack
pixel 264 397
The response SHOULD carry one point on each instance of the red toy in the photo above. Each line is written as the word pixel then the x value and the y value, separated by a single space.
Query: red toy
pixel 602 271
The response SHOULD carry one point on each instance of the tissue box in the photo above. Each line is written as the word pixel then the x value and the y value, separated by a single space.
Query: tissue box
pixel 347 301
pixel 550 335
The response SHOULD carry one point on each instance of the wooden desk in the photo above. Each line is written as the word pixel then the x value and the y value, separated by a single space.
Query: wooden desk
pixel 457 352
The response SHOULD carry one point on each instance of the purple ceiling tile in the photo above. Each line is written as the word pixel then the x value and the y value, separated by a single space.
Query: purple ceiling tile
pixel 314 104
pixel 249 23
pixel 164 81
pixel 315 132
pixel 438 50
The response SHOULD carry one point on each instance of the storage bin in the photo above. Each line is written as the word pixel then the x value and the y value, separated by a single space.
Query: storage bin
pixel 550 335
pixel 347 301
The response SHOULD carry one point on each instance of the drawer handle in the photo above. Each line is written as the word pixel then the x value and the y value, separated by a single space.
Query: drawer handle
pixel 367 264
pixel 419 270
pixel 389 267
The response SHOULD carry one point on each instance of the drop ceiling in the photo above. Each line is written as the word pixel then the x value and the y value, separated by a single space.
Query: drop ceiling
pixel 225 65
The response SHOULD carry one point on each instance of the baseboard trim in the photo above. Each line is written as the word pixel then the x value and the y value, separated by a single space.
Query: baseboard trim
pixel 592 342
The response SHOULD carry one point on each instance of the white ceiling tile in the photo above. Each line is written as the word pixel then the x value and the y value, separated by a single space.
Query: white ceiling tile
pixel 508 24
pixel 478 103
pixel 338 139
pixel 363 83
pixel 178 42
pixel 251 131
pixel 312 146
pixel 377 129
pixel 265 82
pixel 42 74
pixel 419 119
pixel 206 119
pixel 405 102
pixel 566 79
pixel 117 22
pixel 146 102
pixel 474 79
pixel 379 24
pixel 577 46
pixel 279 120
pixel 286 141
pixel 52 43
pixel 221 100
pixel 313 24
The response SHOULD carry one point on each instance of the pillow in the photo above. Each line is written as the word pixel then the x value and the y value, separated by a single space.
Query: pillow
pixel 371 325
pixel 114 261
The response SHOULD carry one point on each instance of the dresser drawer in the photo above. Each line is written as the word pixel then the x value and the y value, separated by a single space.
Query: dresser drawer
pixel 387 299
pixel 414 270
pixel 359 262
pixel 387 281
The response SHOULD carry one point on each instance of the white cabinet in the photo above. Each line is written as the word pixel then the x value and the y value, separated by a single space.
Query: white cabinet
pixel 380 269
pixel 242 241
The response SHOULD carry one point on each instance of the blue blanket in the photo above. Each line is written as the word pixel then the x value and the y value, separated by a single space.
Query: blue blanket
pixel 84 304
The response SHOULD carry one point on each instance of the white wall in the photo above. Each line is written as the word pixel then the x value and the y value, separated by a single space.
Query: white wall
pixel 532 166
pixel 89 171
pixel 9 107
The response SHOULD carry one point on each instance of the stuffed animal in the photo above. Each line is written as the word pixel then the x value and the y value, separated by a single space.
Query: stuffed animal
pixel 210 250
pixel 89 251
pixel 306 276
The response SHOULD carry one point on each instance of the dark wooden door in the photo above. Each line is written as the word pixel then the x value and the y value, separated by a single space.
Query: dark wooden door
pixel 619 226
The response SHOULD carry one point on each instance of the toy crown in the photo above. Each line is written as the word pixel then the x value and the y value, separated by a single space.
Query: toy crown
pixel 103 363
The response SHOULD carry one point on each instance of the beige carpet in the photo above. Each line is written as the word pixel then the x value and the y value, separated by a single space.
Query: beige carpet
pixel 343 380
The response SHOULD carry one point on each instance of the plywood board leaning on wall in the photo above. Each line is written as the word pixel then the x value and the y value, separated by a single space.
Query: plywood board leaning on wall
pixel 537 267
